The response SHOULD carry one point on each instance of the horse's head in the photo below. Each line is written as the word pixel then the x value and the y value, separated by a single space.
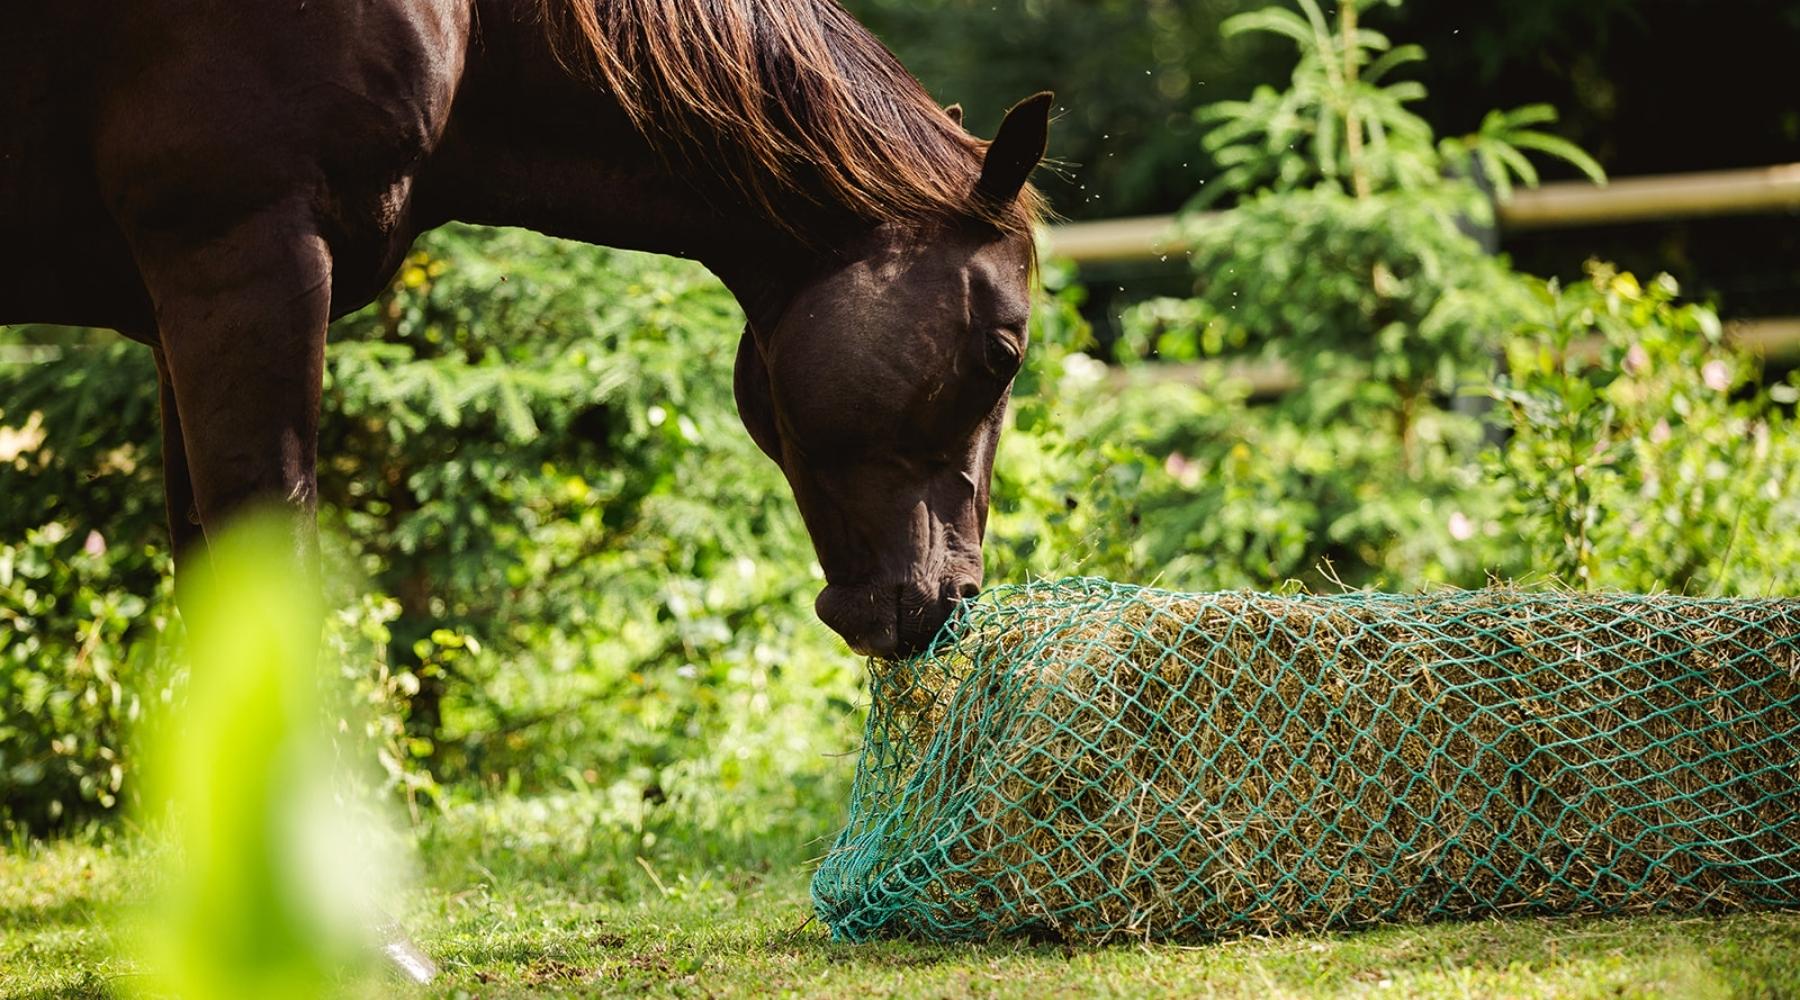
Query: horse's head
pixel 881 391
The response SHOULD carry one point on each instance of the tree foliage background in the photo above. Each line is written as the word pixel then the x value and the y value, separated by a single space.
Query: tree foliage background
pixel 564 575
pixel 1647 86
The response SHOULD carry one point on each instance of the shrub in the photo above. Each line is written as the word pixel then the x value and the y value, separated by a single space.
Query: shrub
pixel 76 650
pixel 1643 451
pixel 575 569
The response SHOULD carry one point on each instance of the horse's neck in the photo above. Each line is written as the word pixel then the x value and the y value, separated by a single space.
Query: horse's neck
pixel 534 145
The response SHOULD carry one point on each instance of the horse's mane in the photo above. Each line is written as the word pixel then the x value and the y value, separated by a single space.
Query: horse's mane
pixel 786 97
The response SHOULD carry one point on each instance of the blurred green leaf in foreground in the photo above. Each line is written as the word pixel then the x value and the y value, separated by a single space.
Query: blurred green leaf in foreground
pixel 274 868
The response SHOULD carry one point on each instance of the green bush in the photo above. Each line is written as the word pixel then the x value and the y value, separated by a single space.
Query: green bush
pixel 560 562
pixel 1643 452
pixel 529 452
pixel 1352 260
pixel 83 571
pixel 585 578
pixel 77 645
pixel 562 567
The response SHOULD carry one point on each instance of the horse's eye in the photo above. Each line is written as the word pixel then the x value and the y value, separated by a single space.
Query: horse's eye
pixel 1005 352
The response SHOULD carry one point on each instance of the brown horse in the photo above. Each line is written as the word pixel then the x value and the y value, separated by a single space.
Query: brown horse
pixel 221 178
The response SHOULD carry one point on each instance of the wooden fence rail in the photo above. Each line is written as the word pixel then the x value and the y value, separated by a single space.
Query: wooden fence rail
pixel 1776 340
pixel 1561 205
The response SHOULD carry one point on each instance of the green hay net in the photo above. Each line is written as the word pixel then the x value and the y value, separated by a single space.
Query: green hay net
pixel 1086 760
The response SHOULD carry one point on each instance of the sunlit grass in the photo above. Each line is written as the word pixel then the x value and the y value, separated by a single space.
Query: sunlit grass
pixel 592 921
pixel 248 879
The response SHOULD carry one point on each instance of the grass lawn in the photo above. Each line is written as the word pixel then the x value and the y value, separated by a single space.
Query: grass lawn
pixel 558 918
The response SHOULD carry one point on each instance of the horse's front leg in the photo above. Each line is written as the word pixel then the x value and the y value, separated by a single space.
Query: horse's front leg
pixel 185 538
pixel 241 316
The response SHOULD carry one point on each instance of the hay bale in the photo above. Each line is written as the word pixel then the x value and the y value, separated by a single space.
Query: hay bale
pixel 1089 760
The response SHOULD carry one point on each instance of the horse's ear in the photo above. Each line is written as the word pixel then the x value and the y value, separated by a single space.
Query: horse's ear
pixel 955 113
pixel 1017 150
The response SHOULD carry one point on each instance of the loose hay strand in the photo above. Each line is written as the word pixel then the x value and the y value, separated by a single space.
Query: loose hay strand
pixel 1087 760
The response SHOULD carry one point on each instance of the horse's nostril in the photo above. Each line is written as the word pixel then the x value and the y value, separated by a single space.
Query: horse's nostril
pixel 967 590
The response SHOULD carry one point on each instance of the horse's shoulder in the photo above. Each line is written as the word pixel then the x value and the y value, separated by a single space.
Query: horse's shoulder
pixel 227 103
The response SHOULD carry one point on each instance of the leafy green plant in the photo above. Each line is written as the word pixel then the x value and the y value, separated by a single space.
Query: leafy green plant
pixel 1065 497
pixel 577 573
pixel 1350 263
pixel 1643 452
pixel 1351 257
pixel 1386 291
pixel 76 647
pixel 1343 121
pixel 1352 252
pixel 83 597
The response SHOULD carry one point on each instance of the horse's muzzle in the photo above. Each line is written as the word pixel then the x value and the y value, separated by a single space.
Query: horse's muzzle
pixel 892 621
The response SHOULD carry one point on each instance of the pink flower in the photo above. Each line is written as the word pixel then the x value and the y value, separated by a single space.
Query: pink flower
pixel 95 545
pixel 1661 433
pixel 1182 470
pixel 1637 360
pixel 1716 375
pixel 1461 528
